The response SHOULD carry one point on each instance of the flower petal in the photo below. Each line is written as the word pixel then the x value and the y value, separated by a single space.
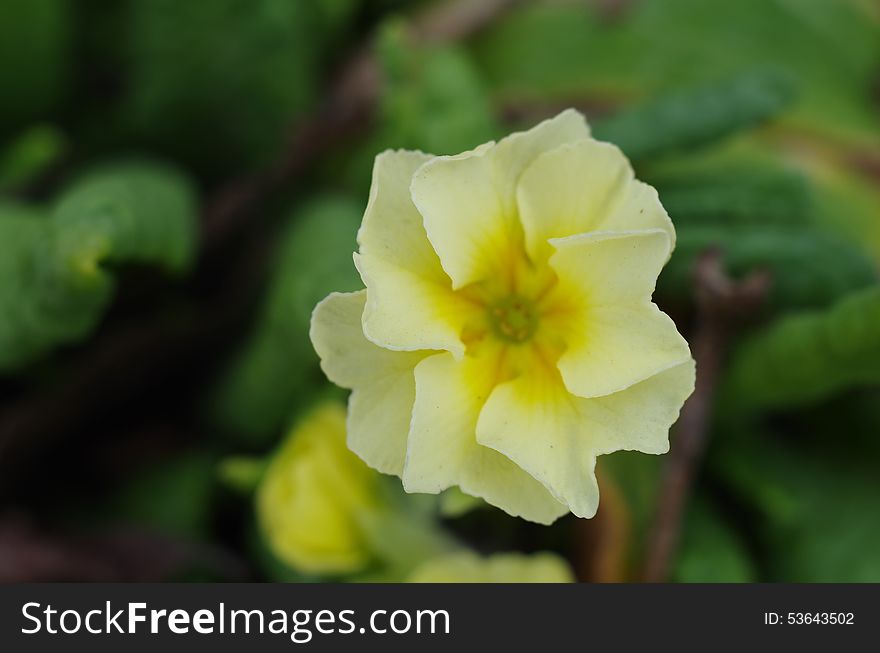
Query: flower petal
pixel 580 187
pixel 556 438
pixel 401 269
pixel 442 449
pixel 515 153
pixel 610 267
pixel 407 312
pixel 392 229
pixel 536 423
pixel 463 214
pixel 468 201
pixel 615 336
pixel 639 418
pixel 384 386
pixel 619 346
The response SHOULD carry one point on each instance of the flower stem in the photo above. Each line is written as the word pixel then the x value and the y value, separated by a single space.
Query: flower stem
pixel 720 301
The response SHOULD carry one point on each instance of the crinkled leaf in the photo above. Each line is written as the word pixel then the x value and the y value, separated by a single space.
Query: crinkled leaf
pixel 809 357
pixel 54 285
pixel 809 267
pixel 736 196
pixel 560 51
pixel 692 118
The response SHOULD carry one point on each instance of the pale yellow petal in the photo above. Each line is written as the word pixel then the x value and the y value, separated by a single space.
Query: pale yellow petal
pixel 401 269
pixel 533 421
pixel 616 336
pixel 516 152
pixel 580 187
pixel 463 214
pixel 442 450
pixel 638 418
pixel 610 267
pixel 468 201
pixel 619 345
pixel 392 229
pixel 382 381
pixel 638 208
pixel 408 312
pixel 556 438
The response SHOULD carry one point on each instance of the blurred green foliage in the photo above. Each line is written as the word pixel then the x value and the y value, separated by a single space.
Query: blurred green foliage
pixel 276 372
pixel 54 276
pixel 242 69
pixel 171 497
pixel 29 155
pixel 808 357
pixel 711 549
pixel 757 121
pixel 435 100
pixel 35 61
pixel 689 119
pixel 813 506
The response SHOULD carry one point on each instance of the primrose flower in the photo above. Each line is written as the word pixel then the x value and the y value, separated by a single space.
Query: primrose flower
pixel 468 567
pixel 312 497
pixel 506 335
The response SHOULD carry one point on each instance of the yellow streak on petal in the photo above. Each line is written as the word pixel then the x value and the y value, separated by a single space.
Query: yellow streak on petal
pixel 556 437
pixel 616 336
pixel 442 448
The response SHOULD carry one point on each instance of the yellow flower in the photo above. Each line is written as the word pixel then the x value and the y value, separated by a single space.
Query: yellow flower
pixel 311 500
pixel 467 567
pixel 506 336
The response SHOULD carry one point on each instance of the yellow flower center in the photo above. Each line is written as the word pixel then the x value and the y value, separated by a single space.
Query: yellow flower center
pixel 520 317
pixel 514 318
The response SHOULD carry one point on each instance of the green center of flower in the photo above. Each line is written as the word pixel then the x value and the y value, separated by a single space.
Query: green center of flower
pixel 514 318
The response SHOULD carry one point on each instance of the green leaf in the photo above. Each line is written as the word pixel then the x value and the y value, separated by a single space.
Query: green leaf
pixel 434 99
pixel 689 119
pixel 243 69
pixel 277 370
pixel 812 508
pixel 128 213
pixel 556 52
pixel 809 357
pixel 54 283
pixel 29 155
pixel 737 196
pixel 546 51
pixel 809 267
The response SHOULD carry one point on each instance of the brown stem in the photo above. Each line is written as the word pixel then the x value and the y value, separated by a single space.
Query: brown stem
pixel 720 302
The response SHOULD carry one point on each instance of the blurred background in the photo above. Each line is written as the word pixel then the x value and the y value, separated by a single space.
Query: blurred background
pixel 180 183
